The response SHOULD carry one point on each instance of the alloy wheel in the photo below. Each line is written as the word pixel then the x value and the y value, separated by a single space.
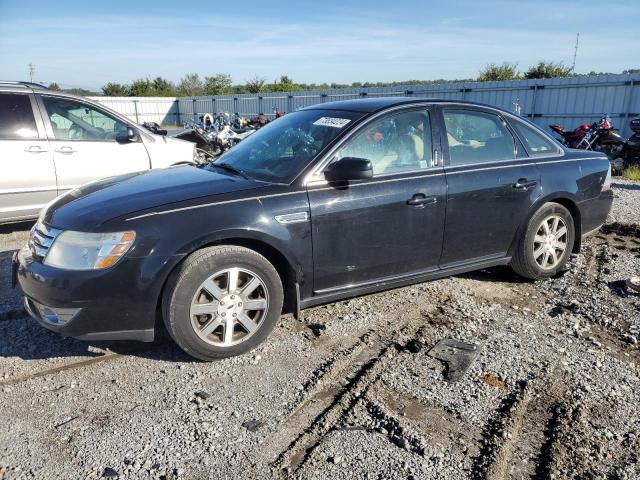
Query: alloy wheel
pixel 550 242
pixel 229 306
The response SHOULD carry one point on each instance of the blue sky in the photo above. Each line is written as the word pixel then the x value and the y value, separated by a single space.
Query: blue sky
pixel 86 43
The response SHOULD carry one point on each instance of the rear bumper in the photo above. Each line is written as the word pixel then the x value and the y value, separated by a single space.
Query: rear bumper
pixel 118 303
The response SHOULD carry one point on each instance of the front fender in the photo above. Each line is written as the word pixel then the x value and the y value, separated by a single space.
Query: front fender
pixel 175 233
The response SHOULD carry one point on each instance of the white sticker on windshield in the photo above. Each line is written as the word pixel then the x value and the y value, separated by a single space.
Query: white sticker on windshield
pixel 332 122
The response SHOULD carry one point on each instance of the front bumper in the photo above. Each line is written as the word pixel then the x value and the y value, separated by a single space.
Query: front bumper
pixel 118 303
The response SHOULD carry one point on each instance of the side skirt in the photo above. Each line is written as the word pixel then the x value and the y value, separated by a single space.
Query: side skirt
pixel 402 281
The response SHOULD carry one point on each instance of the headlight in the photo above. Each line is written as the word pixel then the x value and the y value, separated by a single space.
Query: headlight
pixel 88 251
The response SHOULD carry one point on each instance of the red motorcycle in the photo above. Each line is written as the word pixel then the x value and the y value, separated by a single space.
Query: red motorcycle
pixel 600 136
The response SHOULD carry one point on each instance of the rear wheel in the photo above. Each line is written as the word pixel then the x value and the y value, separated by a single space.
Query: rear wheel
pixel 545 246
pixel 222 301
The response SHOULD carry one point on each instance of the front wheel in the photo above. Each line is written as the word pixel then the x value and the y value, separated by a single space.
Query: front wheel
pixel 544 248
pixel 222 301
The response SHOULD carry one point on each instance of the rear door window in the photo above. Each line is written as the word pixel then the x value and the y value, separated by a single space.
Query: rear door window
pixel 535 142
pixel 16 117
pixel 477 137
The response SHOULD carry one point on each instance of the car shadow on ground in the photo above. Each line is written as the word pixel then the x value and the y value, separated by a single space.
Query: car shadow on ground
pixel 24 338
pixel 501 274
pixel 16 227
pixel 626 186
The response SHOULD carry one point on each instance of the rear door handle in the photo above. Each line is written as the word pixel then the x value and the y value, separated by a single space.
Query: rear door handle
pixel 524 184
pixel 35 149
pixel 420 200
pixel 65 150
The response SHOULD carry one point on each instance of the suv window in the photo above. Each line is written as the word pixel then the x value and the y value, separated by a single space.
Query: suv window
pixel 394 144
pixel 536 143
pixel 73 120
pixel 16 117
pixel 477 137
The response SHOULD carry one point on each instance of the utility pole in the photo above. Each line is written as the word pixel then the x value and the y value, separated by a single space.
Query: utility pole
pixel 32 71
pixel 575 52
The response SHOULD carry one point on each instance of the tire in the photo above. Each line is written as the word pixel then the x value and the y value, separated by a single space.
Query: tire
pixel 527 260
pixel 199 297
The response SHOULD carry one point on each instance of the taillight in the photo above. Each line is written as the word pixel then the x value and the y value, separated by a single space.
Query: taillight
pixel 606 186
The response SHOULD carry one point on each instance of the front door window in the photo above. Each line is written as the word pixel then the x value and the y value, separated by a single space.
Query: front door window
pixel 73 120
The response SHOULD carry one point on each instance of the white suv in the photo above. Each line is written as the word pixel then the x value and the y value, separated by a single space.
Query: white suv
pixel 51 142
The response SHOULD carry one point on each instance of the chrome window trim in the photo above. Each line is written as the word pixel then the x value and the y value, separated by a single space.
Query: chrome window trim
pixel 328 157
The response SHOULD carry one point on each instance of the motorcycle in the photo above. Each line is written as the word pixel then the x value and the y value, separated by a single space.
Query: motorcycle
pixel 204 136
pixel 600 136
pixel 628 154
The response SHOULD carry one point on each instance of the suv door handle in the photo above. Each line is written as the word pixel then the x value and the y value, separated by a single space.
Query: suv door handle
pixel 35 149
pixel 65 150
pixel 420 200
pixel 524 184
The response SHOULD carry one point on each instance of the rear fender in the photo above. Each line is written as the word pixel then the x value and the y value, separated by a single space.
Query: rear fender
pixel 566 199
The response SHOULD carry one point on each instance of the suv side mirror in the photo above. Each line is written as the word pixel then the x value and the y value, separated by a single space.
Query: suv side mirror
pixel 129 135
pixel 349 168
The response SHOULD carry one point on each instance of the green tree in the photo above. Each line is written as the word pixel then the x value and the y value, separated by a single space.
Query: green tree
pixel 495 73
pixel 219 84
pixel 163 87
pixel 142 87
pixel 191 85
pixel 54 86
pixel 548 70
pixel 83 92
pixel 112 89
pixel 284 84
pixel 255 85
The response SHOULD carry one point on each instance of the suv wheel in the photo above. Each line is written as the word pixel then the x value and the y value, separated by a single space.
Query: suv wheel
pixel 222 301
pixel 545 246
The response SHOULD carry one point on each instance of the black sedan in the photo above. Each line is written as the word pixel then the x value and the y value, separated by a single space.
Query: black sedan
pixel 332 201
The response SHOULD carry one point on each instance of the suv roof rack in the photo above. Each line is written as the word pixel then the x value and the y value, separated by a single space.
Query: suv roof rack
pixel 12 83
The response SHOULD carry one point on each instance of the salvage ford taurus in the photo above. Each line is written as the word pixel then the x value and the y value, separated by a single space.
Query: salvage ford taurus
pixel 329 202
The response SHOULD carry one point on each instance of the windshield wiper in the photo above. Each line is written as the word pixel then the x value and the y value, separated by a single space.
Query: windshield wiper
pixel 231 168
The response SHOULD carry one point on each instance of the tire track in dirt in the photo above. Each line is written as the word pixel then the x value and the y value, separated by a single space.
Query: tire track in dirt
pixel 366 369
pixel 518 441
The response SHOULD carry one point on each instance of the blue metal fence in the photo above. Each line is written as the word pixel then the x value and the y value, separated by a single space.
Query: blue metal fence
pixel 567 101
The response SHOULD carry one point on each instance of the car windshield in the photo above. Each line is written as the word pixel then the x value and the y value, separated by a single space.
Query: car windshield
pixel 283 148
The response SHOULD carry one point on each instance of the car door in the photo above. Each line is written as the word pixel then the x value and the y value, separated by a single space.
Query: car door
pixel 85 142
pixel 390 225
pixel 491 185
pixel 27 174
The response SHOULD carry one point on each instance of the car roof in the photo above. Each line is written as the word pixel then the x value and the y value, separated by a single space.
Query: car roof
pixel 371 105
pixel 22 85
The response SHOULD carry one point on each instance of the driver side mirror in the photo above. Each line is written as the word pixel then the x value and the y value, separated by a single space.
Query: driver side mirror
pixel 349 168
pixel 129 135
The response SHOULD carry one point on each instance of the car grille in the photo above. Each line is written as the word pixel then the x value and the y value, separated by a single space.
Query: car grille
pixel 42 238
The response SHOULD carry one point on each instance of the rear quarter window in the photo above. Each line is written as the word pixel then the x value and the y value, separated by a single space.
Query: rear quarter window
pixel 536 143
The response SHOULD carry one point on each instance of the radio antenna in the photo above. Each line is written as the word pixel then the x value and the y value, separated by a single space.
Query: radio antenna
pixel 575 52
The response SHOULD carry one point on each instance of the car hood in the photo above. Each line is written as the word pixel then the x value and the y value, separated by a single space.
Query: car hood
pixel 95 203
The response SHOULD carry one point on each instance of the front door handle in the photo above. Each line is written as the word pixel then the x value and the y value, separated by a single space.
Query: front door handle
pixel 524 184
pixel 420 200
pixel 35 149
pixel 65 150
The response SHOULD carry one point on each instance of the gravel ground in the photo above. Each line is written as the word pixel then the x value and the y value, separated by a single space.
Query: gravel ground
pixel 351 390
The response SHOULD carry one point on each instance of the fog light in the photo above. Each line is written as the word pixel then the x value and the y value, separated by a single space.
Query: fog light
pixel 53 316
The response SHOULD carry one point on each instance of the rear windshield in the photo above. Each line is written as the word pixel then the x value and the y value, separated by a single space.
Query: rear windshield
pixel 279 151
